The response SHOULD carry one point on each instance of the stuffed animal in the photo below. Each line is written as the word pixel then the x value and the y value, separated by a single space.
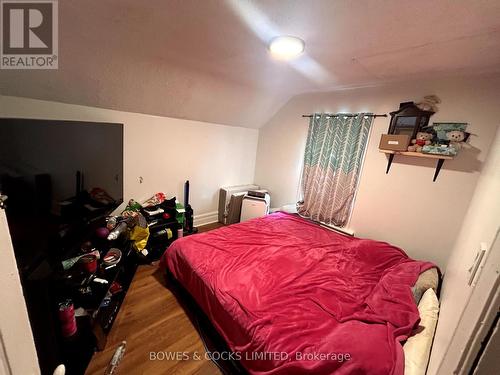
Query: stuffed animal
pixel 429 103
pixel 422 139
pixel 456 138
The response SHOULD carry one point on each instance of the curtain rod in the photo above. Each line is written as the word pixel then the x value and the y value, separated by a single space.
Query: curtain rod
pixel 346 115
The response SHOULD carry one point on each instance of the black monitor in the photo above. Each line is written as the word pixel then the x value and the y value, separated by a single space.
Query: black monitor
pixel 59 177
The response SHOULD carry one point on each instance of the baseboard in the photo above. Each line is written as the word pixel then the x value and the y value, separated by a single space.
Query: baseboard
pixel 207 218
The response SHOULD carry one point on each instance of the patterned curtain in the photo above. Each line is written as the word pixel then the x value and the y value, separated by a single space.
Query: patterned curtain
pixel 332 164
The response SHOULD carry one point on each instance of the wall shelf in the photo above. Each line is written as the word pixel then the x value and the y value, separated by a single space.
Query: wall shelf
pixel 440 159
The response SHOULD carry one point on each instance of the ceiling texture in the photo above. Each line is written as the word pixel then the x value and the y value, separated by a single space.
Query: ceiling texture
pixel 207 60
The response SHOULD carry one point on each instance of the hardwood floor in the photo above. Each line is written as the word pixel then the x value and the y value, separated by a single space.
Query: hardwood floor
pixel 152 321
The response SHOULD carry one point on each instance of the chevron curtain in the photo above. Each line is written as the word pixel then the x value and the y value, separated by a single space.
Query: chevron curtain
pixel 332 164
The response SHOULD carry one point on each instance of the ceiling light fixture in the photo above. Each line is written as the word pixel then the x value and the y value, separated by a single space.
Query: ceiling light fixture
pixel 286 47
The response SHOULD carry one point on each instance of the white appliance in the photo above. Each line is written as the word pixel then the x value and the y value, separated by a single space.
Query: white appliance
pixel 252 207
pixel 230 198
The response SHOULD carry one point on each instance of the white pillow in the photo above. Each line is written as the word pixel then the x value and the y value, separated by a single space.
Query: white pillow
pixel 289 208
pixel 417 348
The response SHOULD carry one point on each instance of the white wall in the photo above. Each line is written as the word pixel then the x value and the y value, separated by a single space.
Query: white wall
pixel 163 151
pixel 404 207
pixel 480 225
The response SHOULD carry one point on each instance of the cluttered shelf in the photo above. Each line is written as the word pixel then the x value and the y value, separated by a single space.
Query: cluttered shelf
pixel 91 285
pixel 440 159
pixel 416 154
pixel 410 134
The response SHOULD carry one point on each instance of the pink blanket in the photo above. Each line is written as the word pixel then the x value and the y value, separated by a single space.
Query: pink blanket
pixel 290 297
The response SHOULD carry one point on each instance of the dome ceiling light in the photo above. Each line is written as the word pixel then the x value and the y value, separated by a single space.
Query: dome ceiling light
pixel 286 47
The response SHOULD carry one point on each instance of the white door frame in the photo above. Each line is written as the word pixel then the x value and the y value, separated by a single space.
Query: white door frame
pixel 17 348
pixel 486 294
pixel 478 314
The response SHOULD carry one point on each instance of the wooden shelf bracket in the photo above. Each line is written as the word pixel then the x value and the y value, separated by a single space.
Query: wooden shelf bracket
pixel 438 169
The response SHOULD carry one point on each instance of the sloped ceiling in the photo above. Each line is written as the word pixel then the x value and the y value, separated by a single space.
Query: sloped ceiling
pixel 207 59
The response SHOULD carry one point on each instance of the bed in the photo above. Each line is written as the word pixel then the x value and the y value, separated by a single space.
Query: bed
pixel 291 297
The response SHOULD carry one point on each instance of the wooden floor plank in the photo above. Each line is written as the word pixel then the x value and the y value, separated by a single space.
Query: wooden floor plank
pixel 151 321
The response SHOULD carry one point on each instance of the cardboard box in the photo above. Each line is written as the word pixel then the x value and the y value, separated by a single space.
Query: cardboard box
pixel 394 142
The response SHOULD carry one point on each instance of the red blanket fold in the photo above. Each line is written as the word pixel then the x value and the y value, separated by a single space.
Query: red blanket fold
pixel 291 297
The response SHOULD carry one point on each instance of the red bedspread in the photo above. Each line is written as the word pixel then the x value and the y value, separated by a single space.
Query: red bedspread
pixel 291 297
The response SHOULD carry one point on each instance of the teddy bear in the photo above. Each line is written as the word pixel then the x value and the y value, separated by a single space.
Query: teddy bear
pixel 429 103
pixel 456 138
pixel 422 139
